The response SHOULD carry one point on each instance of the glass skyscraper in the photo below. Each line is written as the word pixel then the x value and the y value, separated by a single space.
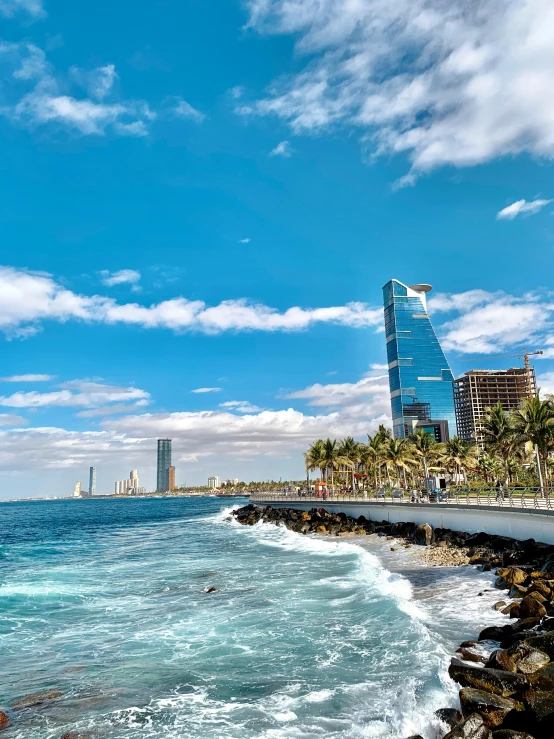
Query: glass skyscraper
pixel 92 481
pixel 164 463
pixel 421 382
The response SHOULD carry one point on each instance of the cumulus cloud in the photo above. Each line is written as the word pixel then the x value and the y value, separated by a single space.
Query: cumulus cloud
pixel 486 322
pixel 283 149
pixel 39 95
pixel 182 109
pixel 75 393
pixel 446 83
pixel 34 8
pixel 27 299
pixel 27 378
pixel 241 406
pixel 244 241
pixel 10 419
pixel 119 278
pixel 521 206
pixel 206 390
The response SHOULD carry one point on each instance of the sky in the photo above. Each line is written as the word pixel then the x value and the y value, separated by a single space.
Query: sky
pixel 201 203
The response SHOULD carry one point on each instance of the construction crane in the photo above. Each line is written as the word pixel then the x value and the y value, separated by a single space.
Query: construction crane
pixel 525 356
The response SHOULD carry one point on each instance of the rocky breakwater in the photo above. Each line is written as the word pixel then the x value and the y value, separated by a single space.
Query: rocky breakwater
pixel 506 675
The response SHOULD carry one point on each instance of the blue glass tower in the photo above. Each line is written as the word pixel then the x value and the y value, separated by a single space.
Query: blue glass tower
pixel 421 382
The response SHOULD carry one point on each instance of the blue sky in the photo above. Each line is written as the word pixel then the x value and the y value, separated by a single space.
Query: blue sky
pixel 211 195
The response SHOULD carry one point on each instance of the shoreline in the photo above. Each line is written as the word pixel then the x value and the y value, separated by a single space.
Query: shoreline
pixel 506 673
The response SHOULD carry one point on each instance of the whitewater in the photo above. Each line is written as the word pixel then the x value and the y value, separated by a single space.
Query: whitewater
pixel 305 637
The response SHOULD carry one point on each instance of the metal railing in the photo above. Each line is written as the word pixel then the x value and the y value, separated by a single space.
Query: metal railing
pixel 513 497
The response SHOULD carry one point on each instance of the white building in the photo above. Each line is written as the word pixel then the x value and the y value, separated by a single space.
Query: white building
pixel 129 486
pixel 77 491
pixel 213 482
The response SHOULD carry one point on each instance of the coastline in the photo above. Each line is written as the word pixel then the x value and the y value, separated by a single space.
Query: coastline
pixel 506 670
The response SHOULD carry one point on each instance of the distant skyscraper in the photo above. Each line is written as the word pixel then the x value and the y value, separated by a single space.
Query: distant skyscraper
pixel 214 482
pixel 92 481
pixel 421 382
pixel 77 491
pixel 164 463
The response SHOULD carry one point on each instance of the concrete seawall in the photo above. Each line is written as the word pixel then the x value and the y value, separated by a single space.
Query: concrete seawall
pixel 515 522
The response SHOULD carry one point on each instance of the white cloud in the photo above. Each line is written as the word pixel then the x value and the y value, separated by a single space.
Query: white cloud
pixel 40 96
pixel 521 206
pixel 488 322
pixel 244 241
pixel 27 378
pixel 10 419
pixel 456 83
pixel 241 406
pixel 283 149
pixel 119 278
pixel 34 8
pixel 75 393
pixel 182 109
pixel 112 410
pixel 206 390
pixel 27 299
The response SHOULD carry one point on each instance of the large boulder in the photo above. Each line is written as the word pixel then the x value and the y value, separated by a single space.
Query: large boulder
pixel 512 575
pixel 527 658
pixel 472 728
pixel 540 705
pixel 4 720
pixel 493 708
pixel 499 682
pixel 529 608
pixel 501 660
pixel 424 535
pixel 450 716
pixel 544 642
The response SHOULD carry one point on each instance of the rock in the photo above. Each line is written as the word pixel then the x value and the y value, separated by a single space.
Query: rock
pixel 517 591
pixel 512 575
pixel 499 605
pixel 443 544
pixel 415 736
pixel 210 590
pixel 499 682
pixel 544 642
pixel 529 607
pixel 76 735
pixel 321 529
pixel 513 610
pixel 37 699
pixel 539 597
pixel 548 567
pixel 495 633
pixel 541 586
pixel 472 728
pixel 527 658
pixel 540 703
pixel 4 720
pixel 450 716
pixel 424 535
pixel 510 734
pixel 470 656
pixel 492 708
pixel 501 660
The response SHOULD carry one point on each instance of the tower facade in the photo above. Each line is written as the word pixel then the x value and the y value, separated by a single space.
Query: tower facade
pixel 164 463
pixel 420 379
pixel 92 481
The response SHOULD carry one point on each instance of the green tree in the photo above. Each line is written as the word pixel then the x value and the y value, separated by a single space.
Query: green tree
pixel 333 458
pixel 351 450
pixel 534 422
pixel 425 448
pixel 498 436
pixel 459 455
pixel 398 454
pixel 314 458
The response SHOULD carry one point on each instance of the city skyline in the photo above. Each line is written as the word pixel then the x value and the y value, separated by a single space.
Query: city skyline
pixel 215 235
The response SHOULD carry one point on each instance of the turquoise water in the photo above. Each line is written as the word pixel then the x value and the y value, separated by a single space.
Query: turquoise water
pixel 305 637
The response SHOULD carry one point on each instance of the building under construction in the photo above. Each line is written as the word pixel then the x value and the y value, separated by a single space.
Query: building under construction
pixel 478 390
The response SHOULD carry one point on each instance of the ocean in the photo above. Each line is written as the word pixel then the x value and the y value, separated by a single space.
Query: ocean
pixel 104 601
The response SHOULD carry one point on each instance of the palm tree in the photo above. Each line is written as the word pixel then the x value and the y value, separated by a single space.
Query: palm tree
pixel 534 422
pixel 398 453
pixel 498 436
pixel 425 447
pixel 459 455
pixel 351 450
pixel 333 458
pixel 373 456
pixel 314 458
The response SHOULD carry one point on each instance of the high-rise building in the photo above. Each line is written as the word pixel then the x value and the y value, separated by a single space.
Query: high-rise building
pixel 92 481
pixel 77 491
pixel 478 390
pixel 214 482
pixel 164 463
pixel 420 379
pixel 171 478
